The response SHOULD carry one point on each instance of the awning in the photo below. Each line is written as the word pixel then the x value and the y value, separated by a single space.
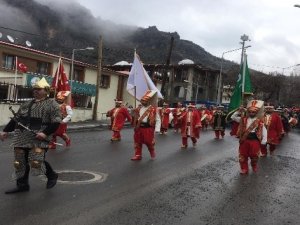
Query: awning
pixel 77 86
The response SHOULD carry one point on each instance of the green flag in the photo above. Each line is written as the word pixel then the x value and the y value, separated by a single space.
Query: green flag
pixel 236 98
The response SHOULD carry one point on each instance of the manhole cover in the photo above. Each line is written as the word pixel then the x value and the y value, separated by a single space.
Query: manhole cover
pixel 80 177
pixel 75 176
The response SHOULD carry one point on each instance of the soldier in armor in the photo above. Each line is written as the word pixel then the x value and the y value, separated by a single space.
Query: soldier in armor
pixel 146 123
pixel 66 112
pixel 219 124
pixel 34 121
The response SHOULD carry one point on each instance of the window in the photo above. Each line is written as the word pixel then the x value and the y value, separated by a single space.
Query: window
pixel 79 74
pixel 82 101
pixel 105 81
pixel 8 62
pixel 43 68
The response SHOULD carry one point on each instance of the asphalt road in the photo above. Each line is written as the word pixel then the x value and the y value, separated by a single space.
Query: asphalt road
pixel 193 186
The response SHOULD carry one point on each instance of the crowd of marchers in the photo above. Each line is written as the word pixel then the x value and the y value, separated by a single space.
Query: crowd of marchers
pixel 38 122
pixel 259 127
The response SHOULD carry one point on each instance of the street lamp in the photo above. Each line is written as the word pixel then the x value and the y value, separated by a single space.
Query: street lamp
pixel 72 62
pixel 197 86
pixel 219 97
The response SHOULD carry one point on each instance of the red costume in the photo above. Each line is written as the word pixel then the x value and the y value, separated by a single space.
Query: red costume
pixel 66 113
pixel 190 126
pixel 176 114
pixel 118 117
pixel 273 124
pixel 251 133
pixel 205 117
pixel 164 118
pixel 146 122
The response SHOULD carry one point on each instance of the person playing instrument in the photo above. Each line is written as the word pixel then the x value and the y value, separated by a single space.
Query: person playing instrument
pixel 41 116
pixel 219 124
pixel 176 114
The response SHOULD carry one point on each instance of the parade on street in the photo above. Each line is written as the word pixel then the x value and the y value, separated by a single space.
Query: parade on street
pixel 149 112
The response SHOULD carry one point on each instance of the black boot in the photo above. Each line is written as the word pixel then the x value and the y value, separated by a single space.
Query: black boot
pixel 52 181
pixel 51 175
pixel 22 186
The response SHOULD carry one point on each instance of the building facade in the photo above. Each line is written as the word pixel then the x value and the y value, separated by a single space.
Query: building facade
pixel 15 87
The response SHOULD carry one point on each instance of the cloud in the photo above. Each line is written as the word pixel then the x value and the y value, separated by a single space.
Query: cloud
pixel 214 25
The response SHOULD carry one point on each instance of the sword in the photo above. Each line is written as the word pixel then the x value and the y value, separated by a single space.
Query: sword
pixel 27 128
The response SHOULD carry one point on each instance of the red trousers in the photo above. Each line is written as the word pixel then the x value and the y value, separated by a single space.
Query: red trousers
pixel 185 140
pixel 249 149
pixel 219 132
pixel 264 150
pixel 144 136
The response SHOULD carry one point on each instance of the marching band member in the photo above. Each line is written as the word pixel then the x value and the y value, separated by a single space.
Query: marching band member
pixel 190 126
pixel 252 133
pixel 164 118
pixel 66 113
pixel 219 124
pixel 118 116
pixel 176 114
pixel 146 123
pixel 273 124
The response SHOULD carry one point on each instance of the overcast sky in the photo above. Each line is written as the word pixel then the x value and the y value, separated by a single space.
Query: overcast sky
pixel 217 25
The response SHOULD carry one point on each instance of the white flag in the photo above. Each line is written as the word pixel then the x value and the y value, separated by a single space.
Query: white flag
pixel 139 79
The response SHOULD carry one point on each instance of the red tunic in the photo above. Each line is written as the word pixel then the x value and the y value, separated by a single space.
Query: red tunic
pixel 62 129
pixel 274 128
pixel 118 117
pixel 194 122
pixel 176 113
pixel 164 117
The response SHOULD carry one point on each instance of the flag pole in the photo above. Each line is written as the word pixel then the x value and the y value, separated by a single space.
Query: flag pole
pixel 244 77
pixel 56 77
pixel 16 73
pixel 134 81
pixel 134 96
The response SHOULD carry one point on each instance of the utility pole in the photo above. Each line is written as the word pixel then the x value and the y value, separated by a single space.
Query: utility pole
pixel 100 47
pixel 165 74
pixel 244 38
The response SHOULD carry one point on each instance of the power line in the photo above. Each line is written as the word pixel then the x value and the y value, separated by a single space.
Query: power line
pixel 20 31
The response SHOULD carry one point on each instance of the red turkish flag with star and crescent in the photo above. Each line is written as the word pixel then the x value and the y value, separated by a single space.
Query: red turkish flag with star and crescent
pixel 60 81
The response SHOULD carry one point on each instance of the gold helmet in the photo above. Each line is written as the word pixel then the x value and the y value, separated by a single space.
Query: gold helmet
pixel 42 83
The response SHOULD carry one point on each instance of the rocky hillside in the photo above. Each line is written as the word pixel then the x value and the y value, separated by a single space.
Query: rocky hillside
pixel 62 27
